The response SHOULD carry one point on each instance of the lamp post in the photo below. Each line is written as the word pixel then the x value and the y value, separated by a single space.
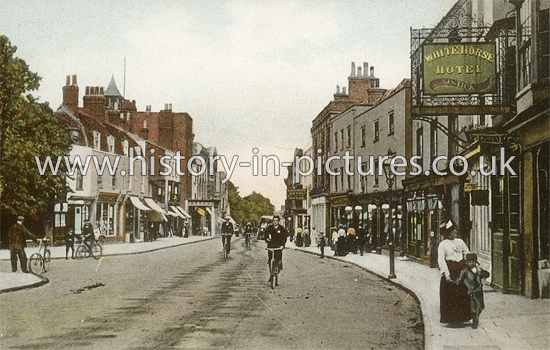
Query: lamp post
pixel 390 177
pixel 348 210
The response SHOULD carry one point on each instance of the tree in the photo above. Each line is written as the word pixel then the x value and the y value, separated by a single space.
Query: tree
pixel 28 129
pixel 250 208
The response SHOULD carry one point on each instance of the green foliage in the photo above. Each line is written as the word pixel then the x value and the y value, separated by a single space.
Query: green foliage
pixel 28 129
pixel 250 208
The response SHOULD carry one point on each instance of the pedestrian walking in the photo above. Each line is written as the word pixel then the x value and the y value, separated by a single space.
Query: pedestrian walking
pixel 299 239
pixel 351 242
pixel 69 244
pixel 472 276
pixel 454 300
pixel 307 238
pixel 341 245
pixel 322 244
pixel 361 237
pixel 18 235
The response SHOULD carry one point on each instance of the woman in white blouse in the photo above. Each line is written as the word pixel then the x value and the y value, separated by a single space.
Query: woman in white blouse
pixel 454 300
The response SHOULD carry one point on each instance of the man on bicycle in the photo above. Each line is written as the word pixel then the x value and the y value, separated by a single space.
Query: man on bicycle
pixel 227 232
pixel 275 237
pixel 248 232
pixel 88 235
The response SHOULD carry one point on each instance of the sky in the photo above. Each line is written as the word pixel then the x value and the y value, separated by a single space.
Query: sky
pixel 252 74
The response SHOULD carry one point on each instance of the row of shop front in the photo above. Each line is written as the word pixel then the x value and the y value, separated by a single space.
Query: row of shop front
pixel 128 219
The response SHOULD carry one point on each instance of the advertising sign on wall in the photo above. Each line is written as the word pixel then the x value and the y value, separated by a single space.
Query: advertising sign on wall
pixel 459 68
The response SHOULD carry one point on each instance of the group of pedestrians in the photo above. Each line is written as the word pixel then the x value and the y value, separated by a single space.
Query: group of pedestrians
pixel 351 241
pixel 461 285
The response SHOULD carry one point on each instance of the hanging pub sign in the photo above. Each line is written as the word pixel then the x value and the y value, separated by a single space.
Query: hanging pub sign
pixel 459 68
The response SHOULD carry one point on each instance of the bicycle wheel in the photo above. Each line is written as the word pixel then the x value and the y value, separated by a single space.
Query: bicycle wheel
pixel 97 251
pixel 47 259
pixel 273 273
pixel 81 252
pixel 36 264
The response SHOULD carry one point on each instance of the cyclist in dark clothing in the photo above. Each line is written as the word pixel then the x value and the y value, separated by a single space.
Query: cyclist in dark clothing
pixel 88 234
pixel 227 232
pixel 275 237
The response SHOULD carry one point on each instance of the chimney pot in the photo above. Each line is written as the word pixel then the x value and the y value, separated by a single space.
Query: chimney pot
pixel 74 80
pixel 365 68
pixel 68 80
pixel 337 89
pixel 372 72
pixel 344 90
pixel 352 69
pixel 359 71
pixel 101 90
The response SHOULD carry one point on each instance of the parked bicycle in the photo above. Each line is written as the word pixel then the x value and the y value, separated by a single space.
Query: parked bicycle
pixel 40 261
pixel 87 248
pixel 226 244
pixel 274 267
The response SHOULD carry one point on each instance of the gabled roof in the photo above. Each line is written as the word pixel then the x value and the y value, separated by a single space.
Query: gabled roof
pixel 112 90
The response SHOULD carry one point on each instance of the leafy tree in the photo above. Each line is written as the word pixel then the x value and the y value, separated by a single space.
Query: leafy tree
pixel 28 129
pixel 250 208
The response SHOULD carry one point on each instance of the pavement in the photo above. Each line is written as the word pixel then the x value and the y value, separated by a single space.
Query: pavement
pixel 509 322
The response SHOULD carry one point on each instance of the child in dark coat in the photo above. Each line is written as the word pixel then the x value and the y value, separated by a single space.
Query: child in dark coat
pixel 471 275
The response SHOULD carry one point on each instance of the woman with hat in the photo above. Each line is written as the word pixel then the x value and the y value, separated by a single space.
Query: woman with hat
pixel 454 300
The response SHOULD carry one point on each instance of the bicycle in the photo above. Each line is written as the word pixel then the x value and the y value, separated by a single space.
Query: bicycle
pixel 274 267
pixel 39 263
pixel 226 245
pixel 83 250
pixel 247 240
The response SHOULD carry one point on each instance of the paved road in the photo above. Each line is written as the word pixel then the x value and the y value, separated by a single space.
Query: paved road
pixel 190 297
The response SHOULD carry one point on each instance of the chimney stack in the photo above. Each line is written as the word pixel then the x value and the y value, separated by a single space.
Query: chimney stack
pixel 70 93
pixel 94 102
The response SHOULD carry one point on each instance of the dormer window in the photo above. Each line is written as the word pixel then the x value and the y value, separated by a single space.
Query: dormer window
pixel 111 143
pixel 97 140
pixel 125 147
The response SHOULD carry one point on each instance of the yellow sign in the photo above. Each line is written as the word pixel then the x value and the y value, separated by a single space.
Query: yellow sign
pixel 299 194
pixel 201 211
pixel 469 187
pixel 463 68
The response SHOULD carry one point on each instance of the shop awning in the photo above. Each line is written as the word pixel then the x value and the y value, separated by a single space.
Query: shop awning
pixel 186 214
pixel 154 205
pixel 171 213
pixel 176 212
pixel 138 204
pixel 155 216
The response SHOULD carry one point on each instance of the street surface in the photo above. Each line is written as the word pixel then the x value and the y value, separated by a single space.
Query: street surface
pixel 190 297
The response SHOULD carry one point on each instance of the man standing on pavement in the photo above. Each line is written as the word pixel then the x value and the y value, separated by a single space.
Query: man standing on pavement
pixel 361 237
pixel 18 235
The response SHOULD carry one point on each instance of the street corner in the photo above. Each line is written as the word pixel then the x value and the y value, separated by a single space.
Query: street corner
pixel 14 281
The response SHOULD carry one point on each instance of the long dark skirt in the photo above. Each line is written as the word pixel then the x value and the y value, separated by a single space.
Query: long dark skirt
pixel 454 300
